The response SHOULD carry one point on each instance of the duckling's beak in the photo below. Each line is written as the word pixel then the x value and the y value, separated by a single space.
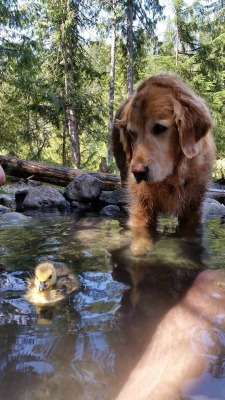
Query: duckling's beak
pixel 42 286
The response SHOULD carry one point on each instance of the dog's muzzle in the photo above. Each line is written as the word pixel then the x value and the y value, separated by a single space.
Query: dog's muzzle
pixel 140 172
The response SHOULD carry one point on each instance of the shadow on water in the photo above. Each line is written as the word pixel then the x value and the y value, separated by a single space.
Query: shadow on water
pixel 86 346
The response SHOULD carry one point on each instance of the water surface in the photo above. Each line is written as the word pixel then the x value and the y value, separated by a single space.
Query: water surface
pixel 86 346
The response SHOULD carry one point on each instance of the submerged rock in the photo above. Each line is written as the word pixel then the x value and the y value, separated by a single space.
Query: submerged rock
pixel 14 217
pixel 111 211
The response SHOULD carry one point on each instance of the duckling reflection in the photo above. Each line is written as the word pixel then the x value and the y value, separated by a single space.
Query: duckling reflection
pixel 45 315
pixel 50 284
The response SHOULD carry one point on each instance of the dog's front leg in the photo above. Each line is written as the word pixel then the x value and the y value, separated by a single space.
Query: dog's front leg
pixel 190 225
pixel 141 222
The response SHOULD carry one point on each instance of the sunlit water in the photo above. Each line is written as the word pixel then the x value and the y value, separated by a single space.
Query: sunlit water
pixel 86 346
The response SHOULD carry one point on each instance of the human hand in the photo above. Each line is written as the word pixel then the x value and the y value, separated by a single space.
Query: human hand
pixel 2 175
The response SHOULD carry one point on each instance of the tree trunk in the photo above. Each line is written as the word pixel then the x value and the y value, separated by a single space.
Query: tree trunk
pixel 177 40
pixel 64 140
pixel 112 81
pixel 54 174
pixel 129 48
pixel 69 93
pixel 73 135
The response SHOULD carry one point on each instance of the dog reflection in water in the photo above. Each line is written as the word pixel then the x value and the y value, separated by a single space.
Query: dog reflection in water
pixel 50 284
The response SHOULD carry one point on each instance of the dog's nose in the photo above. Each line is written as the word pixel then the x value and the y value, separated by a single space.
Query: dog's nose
pixel 140 172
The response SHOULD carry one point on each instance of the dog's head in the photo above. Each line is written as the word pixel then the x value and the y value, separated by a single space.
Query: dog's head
pixel 162 122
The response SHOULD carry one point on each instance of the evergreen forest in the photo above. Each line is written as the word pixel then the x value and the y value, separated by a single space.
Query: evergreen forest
pixel 66 66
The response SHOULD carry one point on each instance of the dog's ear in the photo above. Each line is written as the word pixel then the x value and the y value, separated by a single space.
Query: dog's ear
pixel 122 121
pixel 126 142
pixel 193 120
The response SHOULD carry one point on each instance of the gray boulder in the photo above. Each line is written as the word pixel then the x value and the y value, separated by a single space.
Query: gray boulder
pixel 7 201
pixel 3 209
pixel 40 197
pixel 84 188
pixel 80 206
pixel 212 208
pixel 118 197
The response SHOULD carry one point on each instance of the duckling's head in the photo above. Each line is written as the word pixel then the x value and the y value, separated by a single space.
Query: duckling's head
pixel 45 276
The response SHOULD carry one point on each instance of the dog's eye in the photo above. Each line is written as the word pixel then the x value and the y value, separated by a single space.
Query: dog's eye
pixel 50 277
pixel 158 128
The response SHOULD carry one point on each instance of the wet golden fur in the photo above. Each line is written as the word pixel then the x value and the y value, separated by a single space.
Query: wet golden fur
pixel 164 149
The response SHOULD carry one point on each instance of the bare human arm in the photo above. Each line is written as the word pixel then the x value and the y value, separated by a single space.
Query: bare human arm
pixel 182 345
pixel 2 175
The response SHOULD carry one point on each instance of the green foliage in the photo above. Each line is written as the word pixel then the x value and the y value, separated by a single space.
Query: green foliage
pixel 201 60
pixel 39 36
pixel 219 169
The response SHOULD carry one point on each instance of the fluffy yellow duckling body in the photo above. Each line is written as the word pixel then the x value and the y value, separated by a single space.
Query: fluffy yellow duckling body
pixel 50 284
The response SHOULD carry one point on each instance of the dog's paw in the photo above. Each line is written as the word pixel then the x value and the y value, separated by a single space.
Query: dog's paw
pixel 141 247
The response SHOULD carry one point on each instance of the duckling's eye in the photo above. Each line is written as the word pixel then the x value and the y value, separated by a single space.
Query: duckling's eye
pixel 158 128
pixel 50 277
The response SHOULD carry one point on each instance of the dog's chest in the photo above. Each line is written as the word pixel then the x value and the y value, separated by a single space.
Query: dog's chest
pixel 170 199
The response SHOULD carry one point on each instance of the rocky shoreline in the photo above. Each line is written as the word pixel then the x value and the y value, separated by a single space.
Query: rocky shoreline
pixel 83 193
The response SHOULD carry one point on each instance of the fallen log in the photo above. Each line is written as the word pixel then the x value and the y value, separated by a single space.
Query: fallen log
pixel 54 174
pixel 61 176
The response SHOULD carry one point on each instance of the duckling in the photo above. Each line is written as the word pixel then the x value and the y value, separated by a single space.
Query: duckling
pixel 50 284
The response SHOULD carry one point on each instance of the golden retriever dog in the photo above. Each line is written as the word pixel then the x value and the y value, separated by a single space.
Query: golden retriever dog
pixel 164 149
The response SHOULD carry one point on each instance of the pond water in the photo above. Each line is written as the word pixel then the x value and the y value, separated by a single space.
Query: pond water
pixel 87 345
